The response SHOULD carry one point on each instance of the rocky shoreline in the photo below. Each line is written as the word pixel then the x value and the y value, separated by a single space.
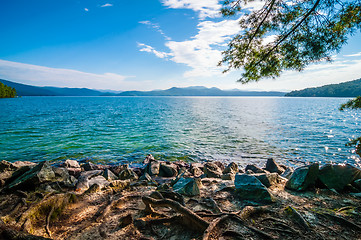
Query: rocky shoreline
pixel 178 200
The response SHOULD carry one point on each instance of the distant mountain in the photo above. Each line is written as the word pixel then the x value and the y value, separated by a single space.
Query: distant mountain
pixel 28 90
pixel 346 89
pixel 199 91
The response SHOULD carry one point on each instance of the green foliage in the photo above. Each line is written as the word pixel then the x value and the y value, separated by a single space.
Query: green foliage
pixel 7 92
pixel 352 104
pixel 303 32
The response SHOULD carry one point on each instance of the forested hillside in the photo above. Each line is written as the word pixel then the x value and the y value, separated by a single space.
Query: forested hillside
pixel 346 89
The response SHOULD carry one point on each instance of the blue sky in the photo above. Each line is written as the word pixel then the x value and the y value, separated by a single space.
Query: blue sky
pixel 143 45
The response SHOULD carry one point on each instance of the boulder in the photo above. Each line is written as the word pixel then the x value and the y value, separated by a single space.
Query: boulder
pixel 267 179
pixel 357 184
pixel 41 173
pixel 168 170
pixel 152 168
pixel 71 164
pixel 254 169
pixel 212 170
pixel 128 174
pixel 228 176
pixel 336 177
pixel 83 180
pixel 91 166
pixel 188 186
pixel 220 165
pixel 149 158
pixel 303 177
pixel 100 180
pixel 120 184
pixel 74 171
pixel 231 168
pixel 196 171
pixel 288 172
pixel 248 187
pixel 7 166
pixel 109 175
pixel 273 167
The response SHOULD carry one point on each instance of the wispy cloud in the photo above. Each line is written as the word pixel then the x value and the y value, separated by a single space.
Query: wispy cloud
pixel 86 9
pixel 58 77
pixel 353 55
pixel 149 49
pixel 107 5
pixel 156 27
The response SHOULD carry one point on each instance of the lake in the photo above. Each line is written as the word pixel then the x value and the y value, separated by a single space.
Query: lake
pixel 126 129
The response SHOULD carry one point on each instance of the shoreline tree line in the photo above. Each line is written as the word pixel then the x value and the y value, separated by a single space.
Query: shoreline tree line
pixel 6 91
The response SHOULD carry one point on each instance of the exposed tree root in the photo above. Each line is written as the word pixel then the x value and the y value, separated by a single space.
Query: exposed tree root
pixel 207 233
pixel 57 202
pixel 248 211
pixel 298 217
pixel 11 234
pixel 341 220
pixel 191 218
pixel 48 221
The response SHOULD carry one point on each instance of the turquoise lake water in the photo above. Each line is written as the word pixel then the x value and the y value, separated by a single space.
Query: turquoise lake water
pixel 126 129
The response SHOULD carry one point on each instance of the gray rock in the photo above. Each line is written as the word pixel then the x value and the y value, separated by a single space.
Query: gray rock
pixel 212 170
pixel 197 165
pixel 146 177
pixel 152 168
pixel 267 179
pixel 109 175
pixel 128 174
pixel 338 176
pixel 82 183
pixel 120 184
pixel 303 177
pixel 220 165
pixel 273 167
pixel 254 169
pixel 188 186
pixel 7 166
pixel 90 174
pixel 288 172
pixel 228 176
pixel 357 184
pixel 61 174
pixel 231 168
pixel 41 173
pixel 100 180
pixel 90 166
pixel 196 171
pixel 248 187
pixel 71 164
pixel 149 158
pixel 168 170
pixel 74 171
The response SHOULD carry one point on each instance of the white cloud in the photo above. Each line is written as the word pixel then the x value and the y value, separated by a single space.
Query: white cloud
pixel 353 55
pixel 208 8
pixel 149 49
pixel 85 9
pixel 205 8
pixel 57 77
pixel 203 51
pixel 156 27
pixel 107 5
